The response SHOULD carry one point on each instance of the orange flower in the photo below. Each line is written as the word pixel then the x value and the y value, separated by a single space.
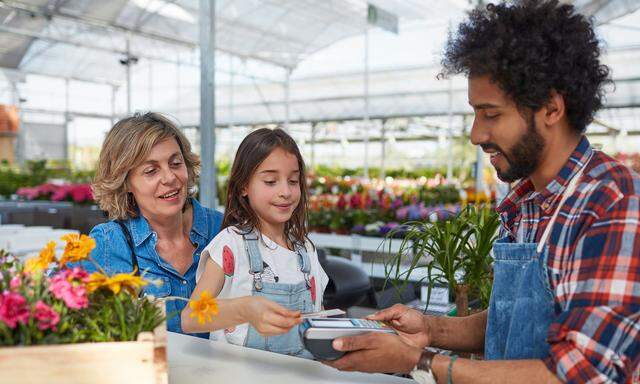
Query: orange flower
pixel 204 308
pixel 78 248
pixel 127 281
pixel 38 264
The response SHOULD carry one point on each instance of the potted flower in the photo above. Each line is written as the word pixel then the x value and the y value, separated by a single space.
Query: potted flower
pixel 454 251
pixel 75 326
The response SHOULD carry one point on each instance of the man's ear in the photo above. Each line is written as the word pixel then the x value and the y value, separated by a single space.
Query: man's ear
pixel 554 109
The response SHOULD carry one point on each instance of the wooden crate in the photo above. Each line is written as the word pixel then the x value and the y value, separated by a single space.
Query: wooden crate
pixel 142 362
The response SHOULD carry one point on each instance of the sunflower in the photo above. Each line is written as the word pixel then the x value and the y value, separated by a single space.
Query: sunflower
pixel 204 308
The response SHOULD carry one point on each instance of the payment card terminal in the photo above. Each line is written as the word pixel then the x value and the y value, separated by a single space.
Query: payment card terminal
pixel 318 333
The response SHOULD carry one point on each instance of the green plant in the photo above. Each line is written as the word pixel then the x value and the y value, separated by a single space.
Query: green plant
pixel 484 224
pixel 455 253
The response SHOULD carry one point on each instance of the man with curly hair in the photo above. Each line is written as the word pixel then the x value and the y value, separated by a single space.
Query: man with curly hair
pixel 565 305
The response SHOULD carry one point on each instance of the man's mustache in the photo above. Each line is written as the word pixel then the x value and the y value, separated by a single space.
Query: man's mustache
pixel 489 146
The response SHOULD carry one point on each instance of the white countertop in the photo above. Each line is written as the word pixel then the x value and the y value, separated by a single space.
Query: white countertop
pixel 194 360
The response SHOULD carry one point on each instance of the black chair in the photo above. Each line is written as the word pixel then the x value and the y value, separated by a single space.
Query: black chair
pixel 348 284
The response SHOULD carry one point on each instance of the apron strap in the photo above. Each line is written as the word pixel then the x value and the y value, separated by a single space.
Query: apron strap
pixel 565 195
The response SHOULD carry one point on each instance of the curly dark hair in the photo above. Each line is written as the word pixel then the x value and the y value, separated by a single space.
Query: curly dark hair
pixel 529 48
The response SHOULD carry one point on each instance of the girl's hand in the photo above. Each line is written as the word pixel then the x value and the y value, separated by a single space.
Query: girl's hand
pixel 269 318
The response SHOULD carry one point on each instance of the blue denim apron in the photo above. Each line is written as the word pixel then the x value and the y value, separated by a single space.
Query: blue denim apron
pixel 521 307
pixel 296 297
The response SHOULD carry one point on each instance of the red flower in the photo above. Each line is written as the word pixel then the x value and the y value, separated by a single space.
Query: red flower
pixel 312 287
pixel 228 262
pixel 46 316
pixel 356 201
pixel 13 309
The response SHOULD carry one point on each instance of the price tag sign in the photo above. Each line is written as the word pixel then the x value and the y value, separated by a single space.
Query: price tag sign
pixel 439 295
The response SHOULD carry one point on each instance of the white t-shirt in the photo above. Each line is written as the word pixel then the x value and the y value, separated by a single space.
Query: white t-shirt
pixel 280 265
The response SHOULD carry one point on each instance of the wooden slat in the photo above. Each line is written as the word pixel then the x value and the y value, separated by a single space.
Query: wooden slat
pixel 141 362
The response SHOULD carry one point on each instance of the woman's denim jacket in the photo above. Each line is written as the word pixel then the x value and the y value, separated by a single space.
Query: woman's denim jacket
pixel 113 255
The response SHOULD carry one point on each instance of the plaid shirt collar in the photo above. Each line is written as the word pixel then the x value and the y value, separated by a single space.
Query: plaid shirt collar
pixel 524 190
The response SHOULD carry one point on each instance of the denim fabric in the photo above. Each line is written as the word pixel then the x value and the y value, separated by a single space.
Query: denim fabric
pixel 296 297
pixel 522 303
pixel 113 255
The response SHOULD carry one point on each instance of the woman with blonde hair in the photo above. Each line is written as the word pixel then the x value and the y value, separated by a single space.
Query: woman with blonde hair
pixel 145 181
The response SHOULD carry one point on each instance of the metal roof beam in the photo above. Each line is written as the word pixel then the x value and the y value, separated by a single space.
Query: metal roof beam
pixel 123 52
pixel 43 12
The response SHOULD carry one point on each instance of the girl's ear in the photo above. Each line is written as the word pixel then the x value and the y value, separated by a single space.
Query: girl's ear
pixel 244 192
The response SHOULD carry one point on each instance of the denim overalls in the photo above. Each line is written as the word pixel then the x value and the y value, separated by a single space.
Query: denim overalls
pixel 522 302
pixel 296 297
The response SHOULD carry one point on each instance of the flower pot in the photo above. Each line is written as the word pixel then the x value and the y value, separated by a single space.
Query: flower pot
pixel 143 361
pixel 462 300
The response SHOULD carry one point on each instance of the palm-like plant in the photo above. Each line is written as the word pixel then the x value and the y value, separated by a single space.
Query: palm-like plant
pixel 454 252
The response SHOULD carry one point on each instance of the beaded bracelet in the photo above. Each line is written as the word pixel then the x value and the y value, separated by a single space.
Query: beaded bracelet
pixel 450 369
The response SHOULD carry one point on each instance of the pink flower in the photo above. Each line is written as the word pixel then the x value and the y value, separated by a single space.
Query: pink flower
pixel 27 193
pixel 46 316
pixel 60 193
pixel 15 282
pixel 13 309
pixel 69 285
pixel 81 193
pixel 76 273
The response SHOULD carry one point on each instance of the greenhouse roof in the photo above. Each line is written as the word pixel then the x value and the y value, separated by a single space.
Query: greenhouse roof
pixel 261 40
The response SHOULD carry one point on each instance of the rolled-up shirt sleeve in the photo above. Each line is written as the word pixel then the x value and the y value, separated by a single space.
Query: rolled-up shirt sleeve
pixel 596 337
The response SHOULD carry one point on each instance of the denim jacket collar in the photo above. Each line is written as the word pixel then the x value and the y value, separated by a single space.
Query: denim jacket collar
pixel 141 230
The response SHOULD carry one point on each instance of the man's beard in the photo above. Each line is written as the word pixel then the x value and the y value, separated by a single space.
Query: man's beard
pixel 524 157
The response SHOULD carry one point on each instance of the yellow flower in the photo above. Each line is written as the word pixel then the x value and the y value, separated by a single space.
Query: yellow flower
pixel 204 308
pixel 38 264
pixel 96 280
pixel 78 248
pixel 127 281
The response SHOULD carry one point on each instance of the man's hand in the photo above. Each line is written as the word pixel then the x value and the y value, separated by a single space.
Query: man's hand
pixel 375 352
pixel 410 324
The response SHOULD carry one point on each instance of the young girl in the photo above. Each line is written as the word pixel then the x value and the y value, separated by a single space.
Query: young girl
pixel 262 264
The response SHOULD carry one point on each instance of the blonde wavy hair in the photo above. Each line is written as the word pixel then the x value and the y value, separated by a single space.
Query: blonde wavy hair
pixel 126 146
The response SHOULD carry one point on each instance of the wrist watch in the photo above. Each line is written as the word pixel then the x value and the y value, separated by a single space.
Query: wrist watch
pixel 422 372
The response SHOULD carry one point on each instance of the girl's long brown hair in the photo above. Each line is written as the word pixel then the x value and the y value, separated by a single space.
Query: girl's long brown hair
pixel 256 147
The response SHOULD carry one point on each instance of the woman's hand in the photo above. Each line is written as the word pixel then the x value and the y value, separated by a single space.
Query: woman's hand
pixel 410 324
pixel 268 317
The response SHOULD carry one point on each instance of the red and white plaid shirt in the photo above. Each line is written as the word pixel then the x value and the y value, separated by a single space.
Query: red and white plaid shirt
pixel 594 265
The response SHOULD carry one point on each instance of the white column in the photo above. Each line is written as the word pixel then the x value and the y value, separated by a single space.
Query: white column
pixel 129 80
pixel 479 167
pixel 383 142
pixel 366 102
pixel 450 133
pixel 66 120
pixel 114 90
pixel 287 99
pixel 208 191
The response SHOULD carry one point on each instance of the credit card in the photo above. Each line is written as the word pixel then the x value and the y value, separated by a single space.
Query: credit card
pixel 325 313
